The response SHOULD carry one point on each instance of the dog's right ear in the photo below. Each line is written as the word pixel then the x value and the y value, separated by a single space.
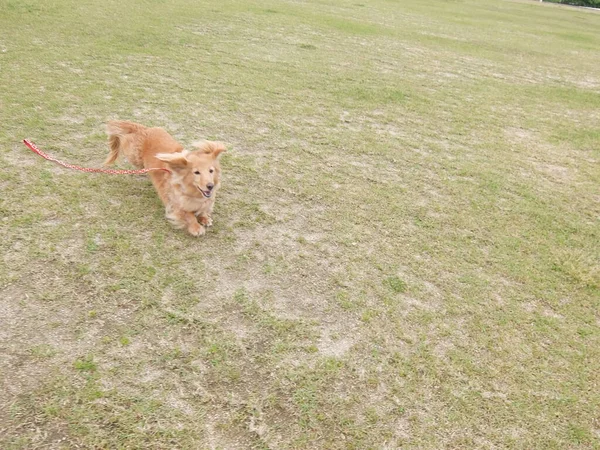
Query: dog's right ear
pixel 177 160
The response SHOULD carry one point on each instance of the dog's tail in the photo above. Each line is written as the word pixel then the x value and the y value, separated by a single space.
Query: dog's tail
pixel 124 137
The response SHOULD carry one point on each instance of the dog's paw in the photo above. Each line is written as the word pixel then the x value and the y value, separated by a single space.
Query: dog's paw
pixel 196 229
pixel 205 220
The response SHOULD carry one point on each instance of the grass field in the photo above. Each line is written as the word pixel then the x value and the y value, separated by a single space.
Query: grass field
pixel 405 251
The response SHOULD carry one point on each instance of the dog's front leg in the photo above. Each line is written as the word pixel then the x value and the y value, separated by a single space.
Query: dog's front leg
pixel 205 219
pixel 193 227
pixel 204 216
pixel 184 219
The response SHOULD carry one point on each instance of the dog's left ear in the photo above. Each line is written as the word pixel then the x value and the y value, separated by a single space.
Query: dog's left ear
pixel 213 148
pixel 177 160
pixel 219 148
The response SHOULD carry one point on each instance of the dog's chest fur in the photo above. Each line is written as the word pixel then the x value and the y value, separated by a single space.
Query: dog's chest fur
pixel 194 204
pixel 191 203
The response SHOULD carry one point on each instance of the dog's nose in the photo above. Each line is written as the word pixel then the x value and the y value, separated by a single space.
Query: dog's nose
pixel 210 186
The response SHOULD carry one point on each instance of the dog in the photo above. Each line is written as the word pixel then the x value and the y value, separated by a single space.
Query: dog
pixel 189 191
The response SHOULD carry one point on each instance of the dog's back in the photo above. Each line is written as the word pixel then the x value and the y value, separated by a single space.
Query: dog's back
pixel 139 144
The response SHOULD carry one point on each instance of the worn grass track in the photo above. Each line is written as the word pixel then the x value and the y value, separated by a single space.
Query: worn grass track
pixel 405 250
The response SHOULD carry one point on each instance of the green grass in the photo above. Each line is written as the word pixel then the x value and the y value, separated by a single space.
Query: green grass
pixel 405 250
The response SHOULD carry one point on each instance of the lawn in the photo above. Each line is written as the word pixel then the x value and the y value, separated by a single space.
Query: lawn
pixel 406 243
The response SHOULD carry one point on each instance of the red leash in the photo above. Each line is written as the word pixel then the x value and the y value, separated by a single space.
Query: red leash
pixel 33 148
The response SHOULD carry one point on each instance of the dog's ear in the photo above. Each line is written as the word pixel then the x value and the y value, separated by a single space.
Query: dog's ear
pixel 177 160
pixel 218 148
pixel 213 148
pixel 203 146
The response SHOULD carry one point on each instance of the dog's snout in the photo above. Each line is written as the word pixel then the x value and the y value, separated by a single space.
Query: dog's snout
pixel 210 186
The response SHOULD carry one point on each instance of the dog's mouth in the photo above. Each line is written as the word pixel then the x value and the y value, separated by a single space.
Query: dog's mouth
pixel 207 194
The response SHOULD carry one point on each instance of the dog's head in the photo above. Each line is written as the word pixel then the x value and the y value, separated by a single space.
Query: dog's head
pixel 199 168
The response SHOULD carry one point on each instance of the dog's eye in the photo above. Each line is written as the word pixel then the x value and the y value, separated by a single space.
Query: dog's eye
pixel 197 172
pixel 211 170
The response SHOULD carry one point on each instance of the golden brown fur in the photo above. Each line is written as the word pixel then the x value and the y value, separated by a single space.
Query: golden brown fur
pixel 189 191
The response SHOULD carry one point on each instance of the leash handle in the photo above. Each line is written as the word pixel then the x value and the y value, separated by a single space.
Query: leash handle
pixel 34 149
